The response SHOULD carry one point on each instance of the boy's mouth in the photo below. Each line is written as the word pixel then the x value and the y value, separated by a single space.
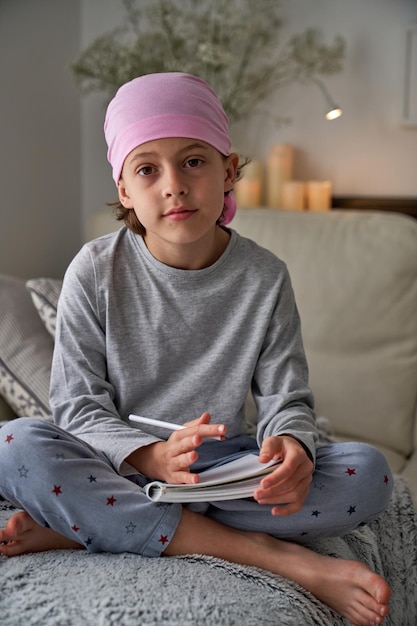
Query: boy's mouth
pixel 178 214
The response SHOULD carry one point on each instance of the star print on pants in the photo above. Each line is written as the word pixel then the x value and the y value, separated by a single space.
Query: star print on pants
pixel 9 439
pixel 163 539
pixel 57 490
pixel 386 479
pixel 111 501
pixel 351 509
pixel 130 528
pixel 350 471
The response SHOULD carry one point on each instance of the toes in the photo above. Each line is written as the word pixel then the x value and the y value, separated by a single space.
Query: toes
pixel 10 548
pixel 370 615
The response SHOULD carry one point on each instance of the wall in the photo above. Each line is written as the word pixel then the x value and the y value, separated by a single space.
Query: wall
pixel 39 136
pixel 53 168
pixel 366 152
pixel 97 186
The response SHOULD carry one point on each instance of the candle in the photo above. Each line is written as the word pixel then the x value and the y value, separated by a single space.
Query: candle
pixel 248 190
pixel 293 195
pixel 319 194
pixel 279 170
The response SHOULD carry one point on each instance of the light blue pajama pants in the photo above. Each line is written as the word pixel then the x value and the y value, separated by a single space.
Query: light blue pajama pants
pixel 64 484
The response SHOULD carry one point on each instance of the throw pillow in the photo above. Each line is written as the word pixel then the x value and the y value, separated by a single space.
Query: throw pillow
pixel 25 351
pixel 6 411
pixel 45 293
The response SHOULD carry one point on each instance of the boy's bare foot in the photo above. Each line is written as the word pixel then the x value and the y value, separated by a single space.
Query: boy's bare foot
pixel 350 588
pixel 22 534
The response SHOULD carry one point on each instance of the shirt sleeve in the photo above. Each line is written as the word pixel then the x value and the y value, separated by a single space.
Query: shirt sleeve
pixel 81 396
pixel 280 386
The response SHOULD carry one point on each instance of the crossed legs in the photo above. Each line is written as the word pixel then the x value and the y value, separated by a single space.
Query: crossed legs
pixel 349 587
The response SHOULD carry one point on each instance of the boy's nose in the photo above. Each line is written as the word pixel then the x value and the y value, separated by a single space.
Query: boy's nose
pixel 174 185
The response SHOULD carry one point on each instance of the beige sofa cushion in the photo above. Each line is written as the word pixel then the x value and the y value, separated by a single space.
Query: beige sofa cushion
pixel 355 279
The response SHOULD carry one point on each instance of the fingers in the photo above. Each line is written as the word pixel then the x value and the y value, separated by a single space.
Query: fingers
pixel 288 475
pixel 287 500
pixel 182 460
pixel 179 451
pixel 291 506
pixel 200 429
pixel 185 477
pixel 272 448
pixel 173 462
pixel 203 419
pixel 287 486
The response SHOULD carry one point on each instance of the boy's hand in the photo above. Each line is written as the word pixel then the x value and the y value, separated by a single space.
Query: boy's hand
pixel 289 484
pixel 170 460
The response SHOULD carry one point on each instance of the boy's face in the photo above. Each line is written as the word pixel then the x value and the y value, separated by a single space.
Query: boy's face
pixel 176 187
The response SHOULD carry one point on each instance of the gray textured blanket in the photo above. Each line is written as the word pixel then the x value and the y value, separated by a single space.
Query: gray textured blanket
pixel 72 588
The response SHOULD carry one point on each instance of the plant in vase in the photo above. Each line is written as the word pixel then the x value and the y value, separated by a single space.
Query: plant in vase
pixel 233 44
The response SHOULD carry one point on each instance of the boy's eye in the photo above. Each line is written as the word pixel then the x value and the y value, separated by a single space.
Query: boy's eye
pixel 146 170
pixel 195 162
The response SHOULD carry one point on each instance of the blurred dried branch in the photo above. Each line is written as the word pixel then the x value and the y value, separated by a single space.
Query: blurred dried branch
pixel 233 44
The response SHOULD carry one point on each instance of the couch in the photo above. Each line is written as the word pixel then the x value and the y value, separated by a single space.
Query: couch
pixel 355 279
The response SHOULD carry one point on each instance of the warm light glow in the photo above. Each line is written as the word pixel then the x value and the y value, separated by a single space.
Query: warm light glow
pixel 333 111
pixel 333 114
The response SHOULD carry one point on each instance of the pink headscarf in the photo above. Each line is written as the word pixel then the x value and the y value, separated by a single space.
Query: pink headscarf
pixel 162 105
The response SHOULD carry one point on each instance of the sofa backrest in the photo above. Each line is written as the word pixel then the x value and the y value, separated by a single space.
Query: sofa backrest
pixel 355 279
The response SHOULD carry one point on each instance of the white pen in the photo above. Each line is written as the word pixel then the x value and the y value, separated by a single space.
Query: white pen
pixel 160 424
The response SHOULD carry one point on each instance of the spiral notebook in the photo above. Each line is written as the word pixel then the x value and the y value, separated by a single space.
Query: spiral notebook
pixel 232 480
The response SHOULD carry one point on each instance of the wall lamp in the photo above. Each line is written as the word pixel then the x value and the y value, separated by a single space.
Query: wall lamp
pixel 333 110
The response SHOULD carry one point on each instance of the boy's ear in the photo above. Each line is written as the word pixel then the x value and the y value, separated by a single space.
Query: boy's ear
pixel 231 166
pixel 124 195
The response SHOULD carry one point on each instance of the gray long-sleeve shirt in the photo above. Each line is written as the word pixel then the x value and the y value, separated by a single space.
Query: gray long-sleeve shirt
pixel 137 336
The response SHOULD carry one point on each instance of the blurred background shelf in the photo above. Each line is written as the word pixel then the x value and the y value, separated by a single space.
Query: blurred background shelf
pixel 397 205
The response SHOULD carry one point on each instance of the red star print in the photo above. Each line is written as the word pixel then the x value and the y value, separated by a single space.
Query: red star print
pixel 75 528
pixel 163 539
pixel 350 471
pixel 386 479
pixel 111 501
pixel 57 490
pixel 9 438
